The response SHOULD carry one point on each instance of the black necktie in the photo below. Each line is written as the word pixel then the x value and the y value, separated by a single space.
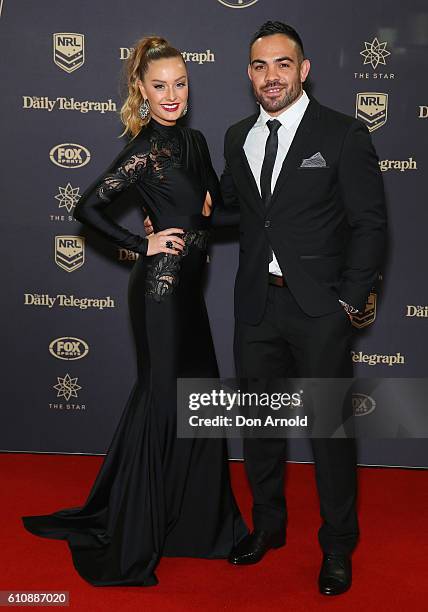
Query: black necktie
pixel 268 164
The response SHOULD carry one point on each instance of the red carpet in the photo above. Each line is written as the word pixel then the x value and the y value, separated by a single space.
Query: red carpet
pixel 390 563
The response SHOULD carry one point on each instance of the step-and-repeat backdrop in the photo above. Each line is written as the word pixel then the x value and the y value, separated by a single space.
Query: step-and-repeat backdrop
pixel 68 358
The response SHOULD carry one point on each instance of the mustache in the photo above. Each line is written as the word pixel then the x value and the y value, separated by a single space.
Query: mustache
pixel 274 84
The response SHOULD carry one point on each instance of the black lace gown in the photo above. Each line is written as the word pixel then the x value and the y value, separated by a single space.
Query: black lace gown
pixel 155 494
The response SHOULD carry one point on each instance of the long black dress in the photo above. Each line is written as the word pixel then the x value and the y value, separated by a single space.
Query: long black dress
pixel 155 494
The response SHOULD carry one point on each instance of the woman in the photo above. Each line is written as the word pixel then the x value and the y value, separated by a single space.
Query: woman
pixel 155 494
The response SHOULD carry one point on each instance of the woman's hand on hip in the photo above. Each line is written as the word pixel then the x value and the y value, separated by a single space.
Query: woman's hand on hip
pixel 165 242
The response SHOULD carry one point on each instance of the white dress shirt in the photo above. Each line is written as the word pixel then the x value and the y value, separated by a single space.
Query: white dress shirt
pixel 255 143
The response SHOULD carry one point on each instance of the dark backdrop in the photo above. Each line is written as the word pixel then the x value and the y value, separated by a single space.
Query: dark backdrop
pixel 68 369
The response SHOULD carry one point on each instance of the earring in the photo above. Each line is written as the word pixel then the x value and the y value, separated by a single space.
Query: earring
pixel 144 109
pixel 185 110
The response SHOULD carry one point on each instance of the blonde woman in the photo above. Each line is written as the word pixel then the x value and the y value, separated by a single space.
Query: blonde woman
pixel 156 494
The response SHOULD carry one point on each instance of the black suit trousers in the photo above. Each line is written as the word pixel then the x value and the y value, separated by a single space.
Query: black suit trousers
pixel 289 343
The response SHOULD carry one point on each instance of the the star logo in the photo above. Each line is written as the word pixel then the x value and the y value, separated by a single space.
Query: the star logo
pixel 68 197
pixel 67 387
pixel 375 53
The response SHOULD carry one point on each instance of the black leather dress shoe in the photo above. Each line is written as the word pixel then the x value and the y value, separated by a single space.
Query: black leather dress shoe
pixel 254 547
pixel 335 575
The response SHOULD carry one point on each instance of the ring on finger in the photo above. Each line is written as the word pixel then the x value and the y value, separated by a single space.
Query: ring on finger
pixel 169 244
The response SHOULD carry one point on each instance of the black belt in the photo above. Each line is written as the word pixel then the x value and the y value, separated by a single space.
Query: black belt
pixel 278 281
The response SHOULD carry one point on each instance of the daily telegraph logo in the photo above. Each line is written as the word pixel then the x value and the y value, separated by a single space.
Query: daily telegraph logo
pixel 126 255
pixel 69 50
pixel 401 165
pixel 69 155
pixel 237 3
pixel 67 301
pixel 367 317
pixel 68 348
pixel 69 252
pixel 197 57
pixel 372 108
pixel 417 311
pixel 64 103
pixel 376 359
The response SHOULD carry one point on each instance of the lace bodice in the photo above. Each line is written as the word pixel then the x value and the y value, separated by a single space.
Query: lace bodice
pixel 163 269
pixel 150 166
pixel 171 169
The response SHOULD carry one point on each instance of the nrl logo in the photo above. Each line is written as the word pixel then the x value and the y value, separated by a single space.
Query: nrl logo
pixel 372 108
pixel 367 317
pixel 69 252
pixel 237 3
pixel 69 51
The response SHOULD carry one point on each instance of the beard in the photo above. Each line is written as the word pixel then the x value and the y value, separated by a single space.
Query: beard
pixel 290 94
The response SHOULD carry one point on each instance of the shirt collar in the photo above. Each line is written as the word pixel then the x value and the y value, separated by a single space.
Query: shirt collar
pixel 289 116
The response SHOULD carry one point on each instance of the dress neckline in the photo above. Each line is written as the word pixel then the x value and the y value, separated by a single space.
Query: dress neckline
pixel 167 129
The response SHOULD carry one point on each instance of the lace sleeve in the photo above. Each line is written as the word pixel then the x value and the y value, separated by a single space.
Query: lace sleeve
pixel 124 171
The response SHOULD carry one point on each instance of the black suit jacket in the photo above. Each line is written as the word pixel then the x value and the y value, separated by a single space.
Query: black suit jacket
pixel 327 226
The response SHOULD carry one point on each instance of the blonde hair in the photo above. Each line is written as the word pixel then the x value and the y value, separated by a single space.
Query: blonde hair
pixel 145 50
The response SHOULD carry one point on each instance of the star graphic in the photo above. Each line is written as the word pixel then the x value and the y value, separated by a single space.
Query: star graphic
pixel 67 387
pixel 375 53
pixel 68 197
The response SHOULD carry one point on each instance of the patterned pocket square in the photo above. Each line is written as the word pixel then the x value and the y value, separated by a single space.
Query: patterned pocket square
pixel 316 161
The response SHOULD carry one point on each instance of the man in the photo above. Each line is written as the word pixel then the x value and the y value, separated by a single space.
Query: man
pixel 312 237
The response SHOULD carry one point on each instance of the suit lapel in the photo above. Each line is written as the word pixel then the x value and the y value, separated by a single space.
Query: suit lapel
pixel 299 144
pixel 294 155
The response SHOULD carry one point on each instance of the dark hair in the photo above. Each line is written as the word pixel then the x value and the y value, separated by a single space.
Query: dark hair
pixel 277 27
